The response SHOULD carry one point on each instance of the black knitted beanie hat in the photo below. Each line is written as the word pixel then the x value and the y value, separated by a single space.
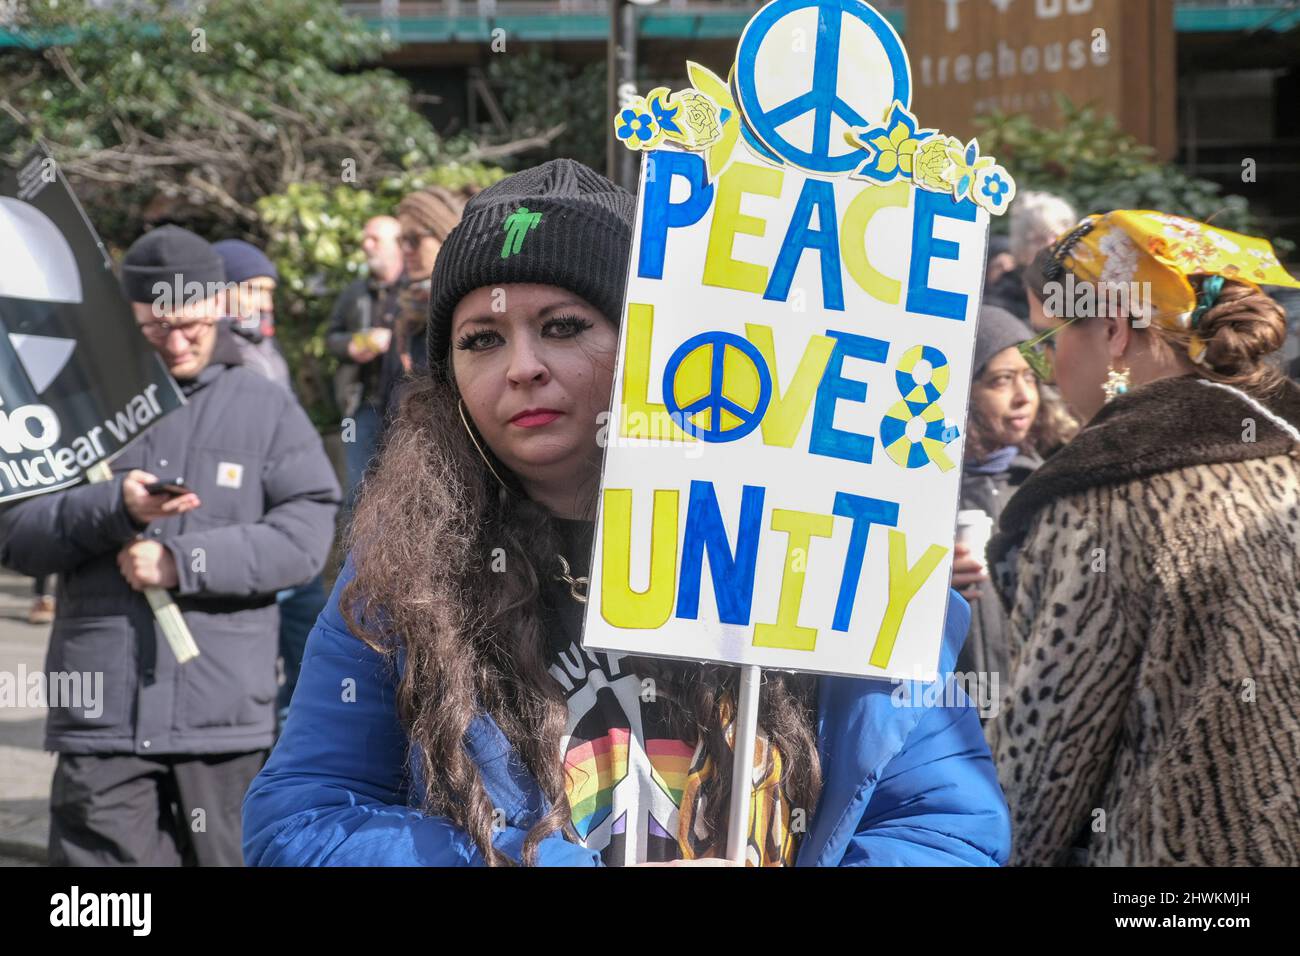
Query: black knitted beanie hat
pixel 169 255
pixel 559 224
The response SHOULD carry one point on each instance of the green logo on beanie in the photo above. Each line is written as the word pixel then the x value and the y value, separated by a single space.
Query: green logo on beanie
pixel 517 225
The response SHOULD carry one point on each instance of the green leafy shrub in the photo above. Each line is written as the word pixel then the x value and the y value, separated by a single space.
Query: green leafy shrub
pixel 154 111
pixel 313 234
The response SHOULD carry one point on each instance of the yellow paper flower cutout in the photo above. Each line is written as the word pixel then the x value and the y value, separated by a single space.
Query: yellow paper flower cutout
pixel 931 166
pixel 966 162
pixel 892 146
pixel 711 85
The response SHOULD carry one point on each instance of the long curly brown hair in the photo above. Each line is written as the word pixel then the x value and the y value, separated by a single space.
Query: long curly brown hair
pixel 426 526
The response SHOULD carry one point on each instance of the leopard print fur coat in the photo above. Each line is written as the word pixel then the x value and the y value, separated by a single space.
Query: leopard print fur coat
pixel 1152 575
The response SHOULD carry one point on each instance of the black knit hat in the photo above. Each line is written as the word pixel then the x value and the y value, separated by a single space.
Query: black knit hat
pixel 559 224
pixel 244 261
pixel 998 330
pixel 161 255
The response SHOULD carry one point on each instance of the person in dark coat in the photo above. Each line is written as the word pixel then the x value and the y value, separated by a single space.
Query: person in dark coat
pixel 360 334
pixel 1007 427
pixel 154 773
pixel 246 336
pixel 1004 285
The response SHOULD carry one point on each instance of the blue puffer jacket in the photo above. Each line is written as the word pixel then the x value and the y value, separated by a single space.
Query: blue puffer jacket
pixel 904 785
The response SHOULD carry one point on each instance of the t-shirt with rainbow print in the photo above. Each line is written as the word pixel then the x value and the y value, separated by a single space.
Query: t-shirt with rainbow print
pixel 625 772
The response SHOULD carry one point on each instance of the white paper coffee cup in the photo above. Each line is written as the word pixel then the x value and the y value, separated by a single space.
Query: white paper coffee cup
pixel 974 528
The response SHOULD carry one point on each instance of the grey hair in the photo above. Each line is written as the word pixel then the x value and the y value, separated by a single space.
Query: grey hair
pixel 1037 219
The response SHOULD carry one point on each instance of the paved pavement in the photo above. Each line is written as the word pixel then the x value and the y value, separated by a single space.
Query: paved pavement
pixel 25 769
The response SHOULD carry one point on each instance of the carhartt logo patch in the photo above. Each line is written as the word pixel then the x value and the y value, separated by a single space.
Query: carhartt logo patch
pixel 517 225
pixel 229 474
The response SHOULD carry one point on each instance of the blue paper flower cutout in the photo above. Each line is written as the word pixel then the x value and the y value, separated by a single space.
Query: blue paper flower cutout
pixel 665 115
pixel 631 123
pixel 996 188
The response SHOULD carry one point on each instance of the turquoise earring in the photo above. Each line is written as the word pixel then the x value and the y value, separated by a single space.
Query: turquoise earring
pixel 1117 382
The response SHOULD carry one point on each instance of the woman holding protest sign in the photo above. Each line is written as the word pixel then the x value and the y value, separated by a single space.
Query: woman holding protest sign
pixel 472 727
pixel 1151 564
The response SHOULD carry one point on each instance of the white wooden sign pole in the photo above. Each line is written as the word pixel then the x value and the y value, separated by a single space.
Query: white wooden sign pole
pixel 742 774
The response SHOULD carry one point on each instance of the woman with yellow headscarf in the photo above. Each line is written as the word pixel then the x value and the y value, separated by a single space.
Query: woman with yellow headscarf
pixel 1151 567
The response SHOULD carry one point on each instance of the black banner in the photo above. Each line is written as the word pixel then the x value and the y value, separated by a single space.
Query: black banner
pixel 77 379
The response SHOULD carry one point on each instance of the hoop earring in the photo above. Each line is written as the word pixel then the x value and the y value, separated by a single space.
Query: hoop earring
pixel 460 404
pixel 1117 382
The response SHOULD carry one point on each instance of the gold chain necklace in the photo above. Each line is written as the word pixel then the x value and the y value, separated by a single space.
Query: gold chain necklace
pixel 566 575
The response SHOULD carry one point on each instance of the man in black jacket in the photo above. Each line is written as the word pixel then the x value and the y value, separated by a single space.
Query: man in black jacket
pixel 155 773
pixel 360 333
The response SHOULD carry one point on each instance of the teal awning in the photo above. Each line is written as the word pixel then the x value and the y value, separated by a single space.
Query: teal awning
pixel 1279 17
pixel 655 24
pixel 669 24
pixel 690 25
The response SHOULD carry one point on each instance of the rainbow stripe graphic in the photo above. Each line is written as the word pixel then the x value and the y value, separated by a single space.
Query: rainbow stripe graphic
pixel 594 768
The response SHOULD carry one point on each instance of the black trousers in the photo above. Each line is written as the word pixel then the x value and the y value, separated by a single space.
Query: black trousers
pixel 124 810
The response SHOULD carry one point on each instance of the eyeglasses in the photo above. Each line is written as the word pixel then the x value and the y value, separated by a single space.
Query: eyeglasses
pixel 412 240
pixel 1039 352
pixel 159 331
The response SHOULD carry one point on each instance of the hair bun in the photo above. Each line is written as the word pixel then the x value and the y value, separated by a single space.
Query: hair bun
pixel 1243 326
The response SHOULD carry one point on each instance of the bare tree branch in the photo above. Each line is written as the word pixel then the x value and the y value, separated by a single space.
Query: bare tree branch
pixel 9 108
pixel 212 191
pixel 502 150
pixel 59 57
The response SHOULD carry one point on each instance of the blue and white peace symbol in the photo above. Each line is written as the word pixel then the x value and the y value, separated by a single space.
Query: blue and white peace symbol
pixel 776 84
pixel 715 399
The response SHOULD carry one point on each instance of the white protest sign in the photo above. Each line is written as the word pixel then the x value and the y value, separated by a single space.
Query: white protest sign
pixel 783 452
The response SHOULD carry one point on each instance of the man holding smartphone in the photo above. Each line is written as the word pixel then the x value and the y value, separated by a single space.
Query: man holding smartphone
pixel 156 776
